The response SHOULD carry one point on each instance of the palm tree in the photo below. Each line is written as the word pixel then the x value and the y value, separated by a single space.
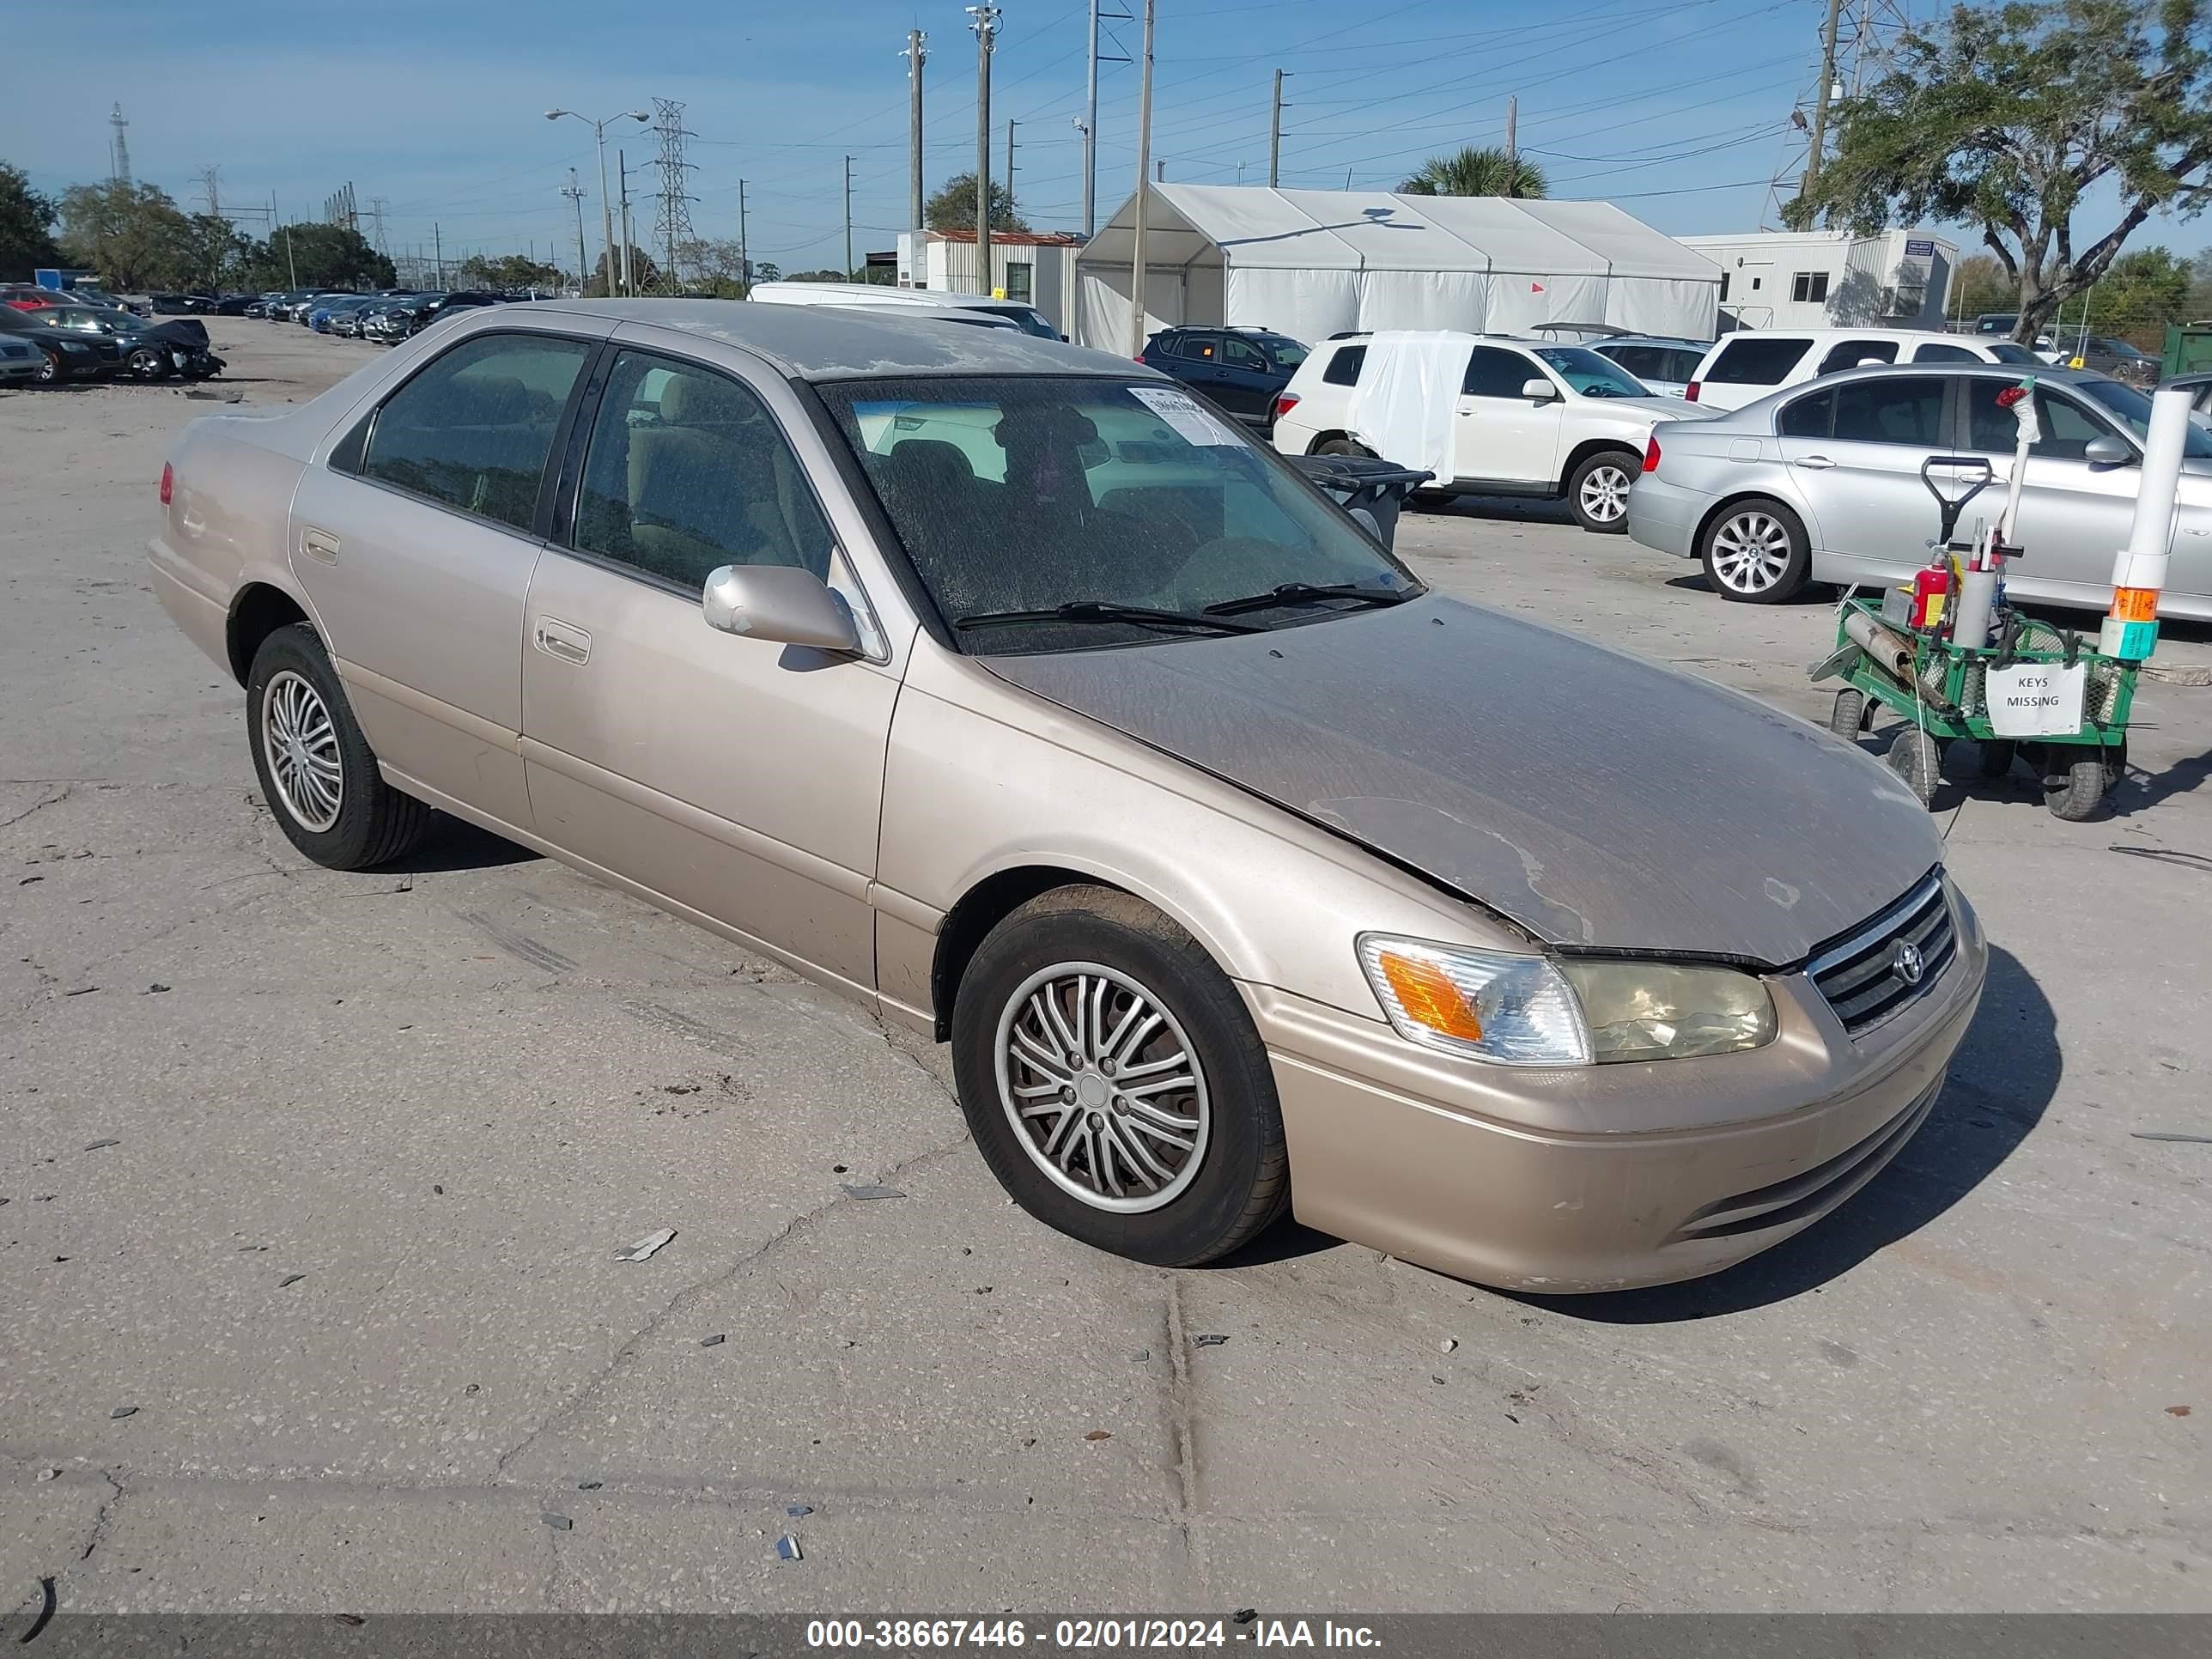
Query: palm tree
pixel 1477 172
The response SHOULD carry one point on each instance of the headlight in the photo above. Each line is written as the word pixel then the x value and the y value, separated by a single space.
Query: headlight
pixel 1486 1004
pixel 73 345
pixel 1655 1010
pixel 1517 1010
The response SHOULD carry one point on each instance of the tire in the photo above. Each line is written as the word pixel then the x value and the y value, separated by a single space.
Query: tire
pixel 1998 756
pixel 352 821
pixel 1848 718
pixel 1220 1170
pixel 1917 759
pixel 1756 552
pixel 1343 446
pixel 1597 490
pixel 148 364
pixel 50 372
pixel 2075 783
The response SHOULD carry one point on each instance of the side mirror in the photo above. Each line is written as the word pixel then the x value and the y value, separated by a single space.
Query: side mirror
pixel 1538 390
pixel 2109 450
pixel 781 603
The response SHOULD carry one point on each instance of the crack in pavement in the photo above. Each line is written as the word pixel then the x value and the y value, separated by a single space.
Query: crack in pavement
pixel 102 1516
pixel 1180 1404
pixel 691 1294
pixel 38 806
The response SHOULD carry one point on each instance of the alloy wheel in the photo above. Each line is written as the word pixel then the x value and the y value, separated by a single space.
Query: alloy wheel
pixel 1102 1087
pixel 1751 551
pixel 301 743
pixel 1604 495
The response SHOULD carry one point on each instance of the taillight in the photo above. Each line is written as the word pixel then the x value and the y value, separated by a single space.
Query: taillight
pixel 1690 392
pixel 168 482
pixel 1651 453
pixel 1285 402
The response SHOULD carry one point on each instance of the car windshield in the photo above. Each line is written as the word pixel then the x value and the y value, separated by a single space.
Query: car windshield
pixel 1591 374
pixel 2133 407
pixel 1027 494
pixel 2011 351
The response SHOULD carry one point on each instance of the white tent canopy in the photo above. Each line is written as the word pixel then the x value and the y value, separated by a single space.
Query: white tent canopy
pixel 1314 262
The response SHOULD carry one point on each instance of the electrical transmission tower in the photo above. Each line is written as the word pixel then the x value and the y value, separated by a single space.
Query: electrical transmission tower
pixel 672 224
pixel 1858 41
pixel 119 148
pixel 376 217
pixel 211 189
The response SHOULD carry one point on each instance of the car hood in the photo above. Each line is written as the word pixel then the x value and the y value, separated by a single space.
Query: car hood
pixel 1598 801
pixel 1660 409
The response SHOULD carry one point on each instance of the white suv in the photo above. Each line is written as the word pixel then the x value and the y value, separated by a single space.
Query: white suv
pixel 881 296
pixel 1745 367
pixel 1489 415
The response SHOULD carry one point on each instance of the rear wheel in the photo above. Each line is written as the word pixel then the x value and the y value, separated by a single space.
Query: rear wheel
pixel 2076 781
pixel 1848 718
pixel 317 770
pixel 1113 1081
pixel 1756 552
pixel 1917 759
pixel 1597 490
pixel 1343 446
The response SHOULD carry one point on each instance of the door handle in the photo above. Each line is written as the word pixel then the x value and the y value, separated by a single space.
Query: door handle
pixel 563 640
pixel 319 545
pixel 1814 462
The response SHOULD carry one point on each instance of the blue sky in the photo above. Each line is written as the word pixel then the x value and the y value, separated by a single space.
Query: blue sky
pixel 1675 110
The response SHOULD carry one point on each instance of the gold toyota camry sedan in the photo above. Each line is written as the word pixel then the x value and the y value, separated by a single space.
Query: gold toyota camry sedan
pixel 1014 692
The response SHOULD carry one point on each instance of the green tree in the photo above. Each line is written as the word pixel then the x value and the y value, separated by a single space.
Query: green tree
pixel 324 255
pixel 26 227
pixel 2003 116
pixel 2140 294
pixel 1979 284
pixel 953 208
pixel 134 235
pixel 644 275
pixel 719 271
pixel 1476 171
pixel 509 270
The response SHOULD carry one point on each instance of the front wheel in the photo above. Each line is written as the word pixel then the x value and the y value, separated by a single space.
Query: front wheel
pixel 1113 1081
pixel 148 364
pixel 1848 718
pixel 1917 759
pixel 1756 552
pixel 50 370
pixel 317 770
pixel 1597 490
pixel 2076 781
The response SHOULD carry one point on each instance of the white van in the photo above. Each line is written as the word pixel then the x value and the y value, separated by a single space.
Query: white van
pixel 881 296
pixel 1744 367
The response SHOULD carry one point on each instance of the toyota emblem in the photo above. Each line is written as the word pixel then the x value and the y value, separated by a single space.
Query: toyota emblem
pixel 1906 962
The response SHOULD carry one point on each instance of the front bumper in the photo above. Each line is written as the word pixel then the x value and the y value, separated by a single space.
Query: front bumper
pixel 1607 1177
pixel 1665 516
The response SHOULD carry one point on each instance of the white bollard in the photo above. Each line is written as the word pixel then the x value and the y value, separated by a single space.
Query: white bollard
pixel 2131 630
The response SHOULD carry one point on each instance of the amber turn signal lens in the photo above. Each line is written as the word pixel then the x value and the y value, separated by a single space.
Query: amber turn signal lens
pixel 1428 996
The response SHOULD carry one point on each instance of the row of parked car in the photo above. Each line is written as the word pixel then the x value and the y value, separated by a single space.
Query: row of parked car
pixel 386 316
pixel 49 338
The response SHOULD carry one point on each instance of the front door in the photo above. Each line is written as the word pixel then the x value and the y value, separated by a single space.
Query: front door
pixel 2074 517
pixel 1862 477
pixel 1247 386
pixel 414 545
pixel 1500 436
pixel 733 778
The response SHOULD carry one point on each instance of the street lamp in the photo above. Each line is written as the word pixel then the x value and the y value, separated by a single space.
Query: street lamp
pixel 606 213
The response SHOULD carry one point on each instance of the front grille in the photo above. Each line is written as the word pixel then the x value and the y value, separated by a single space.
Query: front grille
pixel 1866 978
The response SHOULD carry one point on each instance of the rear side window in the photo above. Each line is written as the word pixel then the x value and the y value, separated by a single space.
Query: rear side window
pixel 1808 417
pixel 1756 360
pixel 1344 367
pixel 473 430
pixel 1645 362
pixel 1908 409
pixel 1850 354
pixel 1945 353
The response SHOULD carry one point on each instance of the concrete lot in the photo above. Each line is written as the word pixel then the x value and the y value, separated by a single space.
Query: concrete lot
pixel 323 1175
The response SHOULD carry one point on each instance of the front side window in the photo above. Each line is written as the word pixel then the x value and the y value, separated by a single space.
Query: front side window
pixel 1243 354
pixel 1906 410
pixel 1756 360
pixel 2133 408
pixel 1493 372
pixel 686 471
pixel 1025 495
pixel 1591 374
pixel 1284 353
pixel 2011 351
pixel 473 430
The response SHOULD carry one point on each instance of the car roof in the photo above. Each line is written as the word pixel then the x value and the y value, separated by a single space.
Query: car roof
pixel 841 342
pixel 2007 373
pixel 1683 340
pixel 1825 333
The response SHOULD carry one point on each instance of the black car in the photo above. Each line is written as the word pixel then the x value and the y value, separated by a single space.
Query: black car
pixel 72 354
pixel 147 349
pixel 184 305
pixel 1240 369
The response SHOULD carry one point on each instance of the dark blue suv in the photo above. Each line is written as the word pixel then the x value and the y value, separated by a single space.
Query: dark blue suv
pixel 1240 369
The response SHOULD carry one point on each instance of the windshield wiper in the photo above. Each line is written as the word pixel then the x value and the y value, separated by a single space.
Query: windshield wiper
pixel 1307 594
pixel 1104 610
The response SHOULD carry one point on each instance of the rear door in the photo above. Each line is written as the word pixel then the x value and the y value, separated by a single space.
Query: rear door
pixel 1863 477
pixel 1500 436
pixel 414 539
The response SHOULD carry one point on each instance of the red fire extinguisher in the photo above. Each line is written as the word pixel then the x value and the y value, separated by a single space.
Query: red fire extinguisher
pixel 1931 587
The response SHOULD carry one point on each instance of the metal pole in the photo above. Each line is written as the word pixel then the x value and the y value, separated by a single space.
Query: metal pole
pixel 606 206
pixel 1091 134
pixel 1817 139
pixel 575 193
pixel 1512 143
pixel 438 243
pixel 1011 124
pixel 744 260
pixel 1144 188
pixel 914 57
pixel 987 23
pixel 622 176
pixel 848 218
pixel 1275 133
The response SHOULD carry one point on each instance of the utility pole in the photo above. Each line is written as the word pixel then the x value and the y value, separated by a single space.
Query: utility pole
pixel 1144 187
pixel 744 260
pixel 916 50
pixel 621 172
pixel 1818 138
pixel 1089 125
pixel 1011 124
pixel 438 243
pixel 1275 133
pixel 291 265
pixel 987 29
pixel 1512 143
pixel 848 218
pixel 575 192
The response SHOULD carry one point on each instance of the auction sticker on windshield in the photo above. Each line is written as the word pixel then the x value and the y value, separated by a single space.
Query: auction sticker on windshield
pixel 1180 410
